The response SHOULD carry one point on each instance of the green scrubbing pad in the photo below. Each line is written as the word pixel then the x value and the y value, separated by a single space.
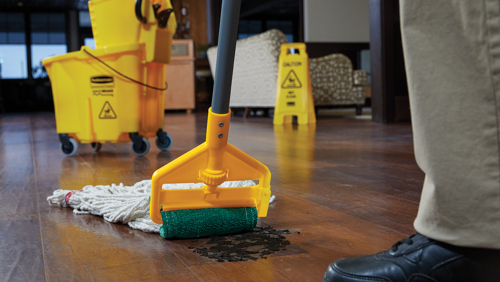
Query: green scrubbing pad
pixel 207 222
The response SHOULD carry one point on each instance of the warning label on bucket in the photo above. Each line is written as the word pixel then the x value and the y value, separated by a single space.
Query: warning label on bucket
pixel 107 112
pixel 102 85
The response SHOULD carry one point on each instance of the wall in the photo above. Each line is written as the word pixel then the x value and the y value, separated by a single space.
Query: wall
pixel 336 21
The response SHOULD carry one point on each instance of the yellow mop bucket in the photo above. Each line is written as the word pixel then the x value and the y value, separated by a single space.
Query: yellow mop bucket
pixel 116 92
pixel 94 104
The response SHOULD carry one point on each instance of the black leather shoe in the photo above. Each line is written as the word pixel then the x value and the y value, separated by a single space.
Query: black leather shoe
pixel 419 259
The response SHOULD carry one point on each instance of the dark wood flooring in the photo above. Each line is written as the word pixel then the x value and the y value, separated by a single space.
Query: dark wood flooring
pixel 349 185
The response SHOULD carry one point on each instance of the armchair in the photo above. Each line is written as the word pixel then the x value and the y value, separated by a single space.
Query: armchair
pixel 334 82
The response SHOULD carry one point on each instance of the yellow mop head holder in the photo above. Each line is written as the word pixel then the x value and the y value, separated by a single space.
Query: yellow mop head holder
pixel 212 163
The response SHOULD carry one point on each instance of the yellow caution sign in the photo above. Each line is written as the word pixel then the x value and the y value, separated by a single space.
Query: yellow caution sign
pixel 294 90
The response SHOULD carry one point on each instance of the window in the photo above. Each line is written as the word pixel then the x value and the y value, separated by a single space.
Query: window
pixel 84 19
pixel 43 51
pixel 366 64
pixel 86 29
pixel 48 38
pixel 13 57
pixel 89 42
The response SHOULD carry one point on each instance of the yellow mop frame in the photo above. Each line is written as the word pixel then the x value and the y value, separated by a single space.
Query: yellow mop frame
pixel 213 162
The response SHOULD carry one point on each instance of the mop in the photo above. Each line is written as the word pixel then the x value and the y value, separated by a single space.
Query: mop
pixel 118 203
pixel 213 209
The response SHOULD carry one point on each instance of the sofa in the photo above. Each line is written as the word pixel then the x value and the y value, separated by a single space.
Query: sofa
pixel 333 79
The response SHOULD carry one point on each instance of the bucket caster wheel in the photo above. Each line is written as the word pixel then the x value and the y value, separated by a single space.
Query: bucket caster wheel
pixel 69 147
pixel 142 148
pixel 140 145
pixel 163 140
pixel 96 146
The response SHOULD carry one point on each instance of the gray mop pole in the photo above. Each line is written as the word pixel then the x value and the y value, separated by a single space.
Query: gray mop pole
pixel 228 32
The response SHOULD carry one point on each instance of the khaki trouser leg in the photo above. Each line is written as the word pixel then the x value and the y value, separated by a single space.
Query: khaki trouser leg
pixel 452 57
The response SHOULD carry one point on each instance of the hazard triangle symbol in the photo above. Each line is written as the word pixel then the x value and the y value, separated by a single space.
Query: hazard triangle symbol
pixel 107 112
pixel 291 81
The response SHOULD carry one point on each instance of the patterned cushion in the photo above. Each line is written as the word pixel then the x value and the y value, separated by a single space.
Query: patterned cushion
pixel 256 69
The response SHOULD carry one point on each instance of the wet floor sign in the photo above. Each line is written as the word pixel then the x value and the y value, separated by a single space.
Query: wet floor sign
pixel 294 91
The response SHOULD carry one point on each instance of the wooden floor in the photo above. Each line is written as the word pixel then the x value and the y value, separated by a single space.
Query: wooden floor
pixel 349 185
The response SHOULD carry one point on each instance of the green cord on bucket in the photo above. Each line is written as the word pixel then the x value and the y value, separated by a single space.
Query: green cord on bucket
pixel 206 222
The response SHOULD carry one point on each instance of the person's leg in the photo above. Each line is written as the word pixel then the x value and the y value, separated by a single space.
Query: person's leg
pixel 452 57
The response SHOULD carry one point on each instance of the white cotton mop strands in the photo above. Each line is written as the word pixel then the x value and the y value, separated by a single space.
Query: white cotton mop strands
pixel 115 203
pixel 123 204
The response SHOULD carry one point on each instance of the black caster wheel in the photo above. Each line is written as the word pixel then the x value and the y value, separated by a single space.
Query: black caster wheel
pixel 141 149
pixel 164 143
pixel 70 149
pixel 96 146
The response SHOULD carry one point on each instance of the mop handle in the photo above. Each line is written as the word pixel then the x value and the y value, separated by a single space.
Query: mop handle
pixel 228 33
